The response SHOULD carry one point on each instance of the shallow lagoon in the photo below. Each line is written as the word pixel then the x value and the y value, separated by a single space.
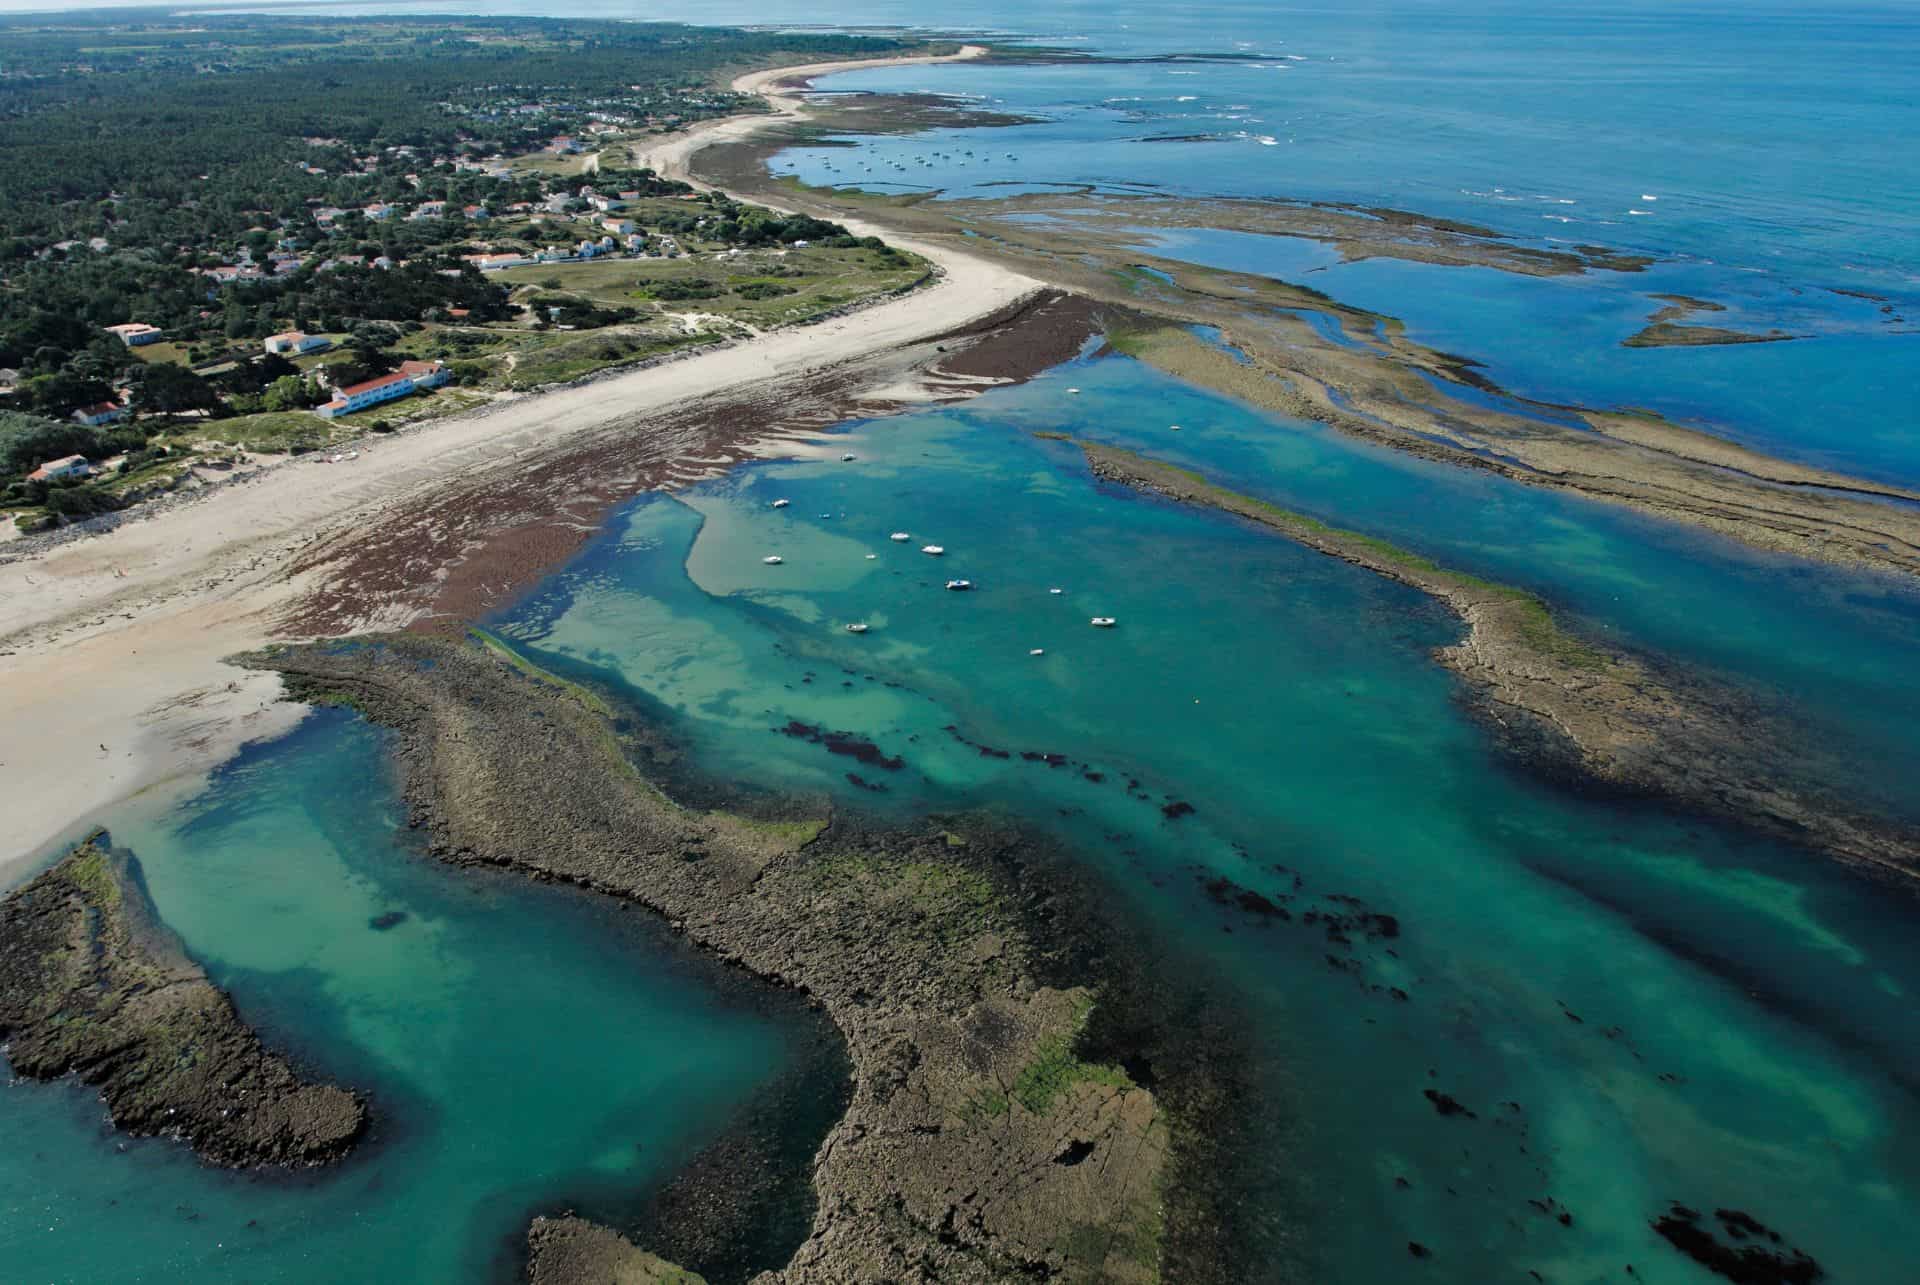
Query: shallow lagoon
pixel 1679 1011
pixel 521 1047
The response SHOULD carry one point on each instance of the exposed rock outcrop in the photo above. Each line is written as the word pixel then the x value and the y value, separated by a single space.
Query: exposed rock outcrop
pixel 1606 714
pixel 979 1145
pixel 93 984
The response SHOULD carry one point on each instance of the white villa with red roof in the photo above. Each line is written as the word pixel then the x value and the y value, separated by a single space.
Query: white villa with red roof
pixel 410 378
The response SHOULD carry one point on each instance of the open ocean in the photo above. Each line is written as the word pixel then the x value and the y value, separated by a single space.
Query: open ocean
pixel 1640 1006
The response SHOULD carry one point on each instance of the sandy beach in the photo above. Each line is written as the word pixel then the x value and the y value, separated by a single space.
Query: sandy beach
pixel 111 646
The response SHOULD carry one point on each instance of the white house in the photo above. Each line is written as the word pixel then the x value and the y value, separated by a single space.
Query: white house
pixel 410 378
pixel 619 227
pixel 135 333
pixel 495 262
pixel 70 466
pixel 378 211
pixel 97 414
pixel 297 342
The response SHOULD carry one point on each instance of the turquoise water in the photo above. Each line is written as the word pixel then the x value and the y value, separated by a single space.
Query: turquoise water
pixel 1742 1035
pixel 522 1048
pixel 1676 1010
pixel 1840 395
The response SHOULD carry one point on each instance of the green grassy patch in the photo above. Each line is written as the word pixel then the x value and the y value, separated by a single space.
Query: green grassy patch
pixel 1056 1068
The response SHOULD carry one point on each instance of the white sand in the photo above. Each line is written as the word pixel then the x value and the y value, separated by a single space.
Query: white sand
pixel 117 639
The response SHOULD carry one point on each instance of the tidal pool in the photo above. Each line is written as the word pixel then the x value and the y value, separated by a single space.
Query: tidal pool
pixel 524 1048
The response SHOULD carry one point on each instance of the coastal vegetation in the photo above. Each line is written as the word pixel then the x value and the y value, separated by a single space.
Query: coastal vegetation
pixel 207 184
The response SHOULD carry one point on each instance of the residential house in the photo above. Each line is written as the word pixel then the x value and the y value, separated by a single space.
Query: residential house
pixel 54 470
pixel 135 333
pixel 495 262
pixel 619 227
pixel 605 203
pixel 296 342
pixel 476 212
pixel 99 413
pixel 379 211
pixel 409 379
pixel 427 210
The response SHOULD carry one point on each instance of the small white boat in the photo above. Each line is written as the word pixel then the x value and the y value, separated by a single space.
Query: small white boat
pixel 959 586
pixel 1103 622
pixel 846 459
pixel 781 504
pixel 1173 428
pixel 935 549
pixel 1056 591
pixel 872 556
pixel 901 537
pixel 1038 651
pixel 773 559
pixel 856 629
pixel 826 515
pixel 1074 391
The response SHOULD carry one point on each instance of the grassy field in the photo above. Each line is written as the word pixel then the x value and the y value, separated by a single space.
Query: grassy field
pixel 758 288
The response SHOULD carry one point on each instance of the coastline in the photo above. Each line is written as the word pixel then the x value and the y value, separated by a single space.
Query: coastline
pixel 1368 379
pixel 113 645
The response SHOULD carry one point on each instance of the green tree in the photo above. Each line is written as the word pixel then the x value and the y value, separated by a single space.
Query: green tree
pixel 169 389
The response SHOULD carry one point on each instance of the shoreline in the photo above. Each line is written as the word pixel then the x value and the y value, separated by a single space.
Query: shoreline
pixel 114 645
pixel 1368 380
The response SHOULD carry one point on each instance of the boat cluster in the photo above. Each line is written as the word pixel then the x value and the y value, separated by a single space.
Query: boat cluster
pixel 933 551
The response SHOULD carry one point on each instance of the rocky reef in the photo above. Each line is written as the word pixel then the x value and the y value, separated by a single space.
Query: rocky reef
pixel 983 1142
pixel 93 984
pixel 564 1251
pixel 1599 712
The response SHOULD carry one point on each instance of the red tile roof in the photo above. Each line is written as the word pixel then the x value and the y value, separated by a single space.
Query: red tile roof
pixel 354 390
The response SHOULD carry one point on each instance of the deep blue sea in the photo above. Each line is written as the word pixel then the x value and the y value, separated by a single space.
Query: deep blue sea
pixel 1675 1009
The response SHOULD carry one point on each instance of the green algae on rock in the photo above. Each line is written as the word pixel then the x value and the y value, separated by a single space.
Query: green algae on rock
pixel 977 1146
pixel 93 984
